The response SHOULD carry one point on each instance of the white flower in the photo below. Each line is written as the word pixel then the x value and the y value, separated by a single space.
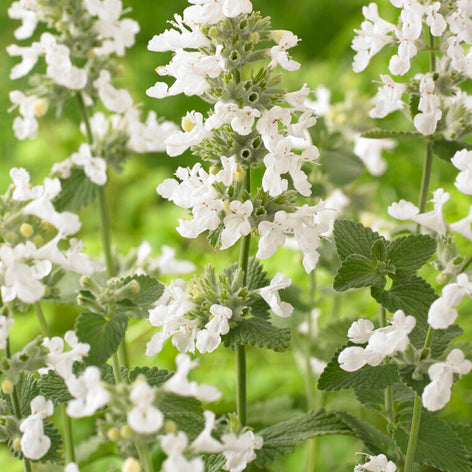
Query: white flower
pixel 462 160
pixel 5 323
pixel 279 53
pixel 144 418
pixel 271 295
pixel 209 338
pixel 371 38
pixel 28 17
pixel 378 463
pixel 166 263
pixel 388 98
pixel 239 450
pixel 429 105
pixel 370 153
pixel 360 331
pixel 25 126
pixel 34 443
pixel 88 393
pixel 205 442
pixel 174 445
pixel 180 384
pixel 237 223
pixel 95 168
pixel 194 132
pixel 116 100
pixel 71 467
pixel 438 393
pixel 435 20
pixel 463 226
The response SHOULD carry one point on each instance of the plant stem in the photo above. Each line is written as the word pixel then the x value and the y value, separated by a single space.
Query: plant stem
pixel 144 456
pixel 413 439
pixel 68 436
pixel 106 237
pixel 241 371
pixel 116 368
pixel 42 320
pixel 388 390
pixel 466 263
pixel 426 177
pixel 16 405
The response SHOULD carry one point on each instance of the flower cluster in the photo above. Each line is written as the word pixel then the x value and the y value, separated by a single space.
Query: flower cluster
pixel 378 463
pixel 439 95
pixel 381 342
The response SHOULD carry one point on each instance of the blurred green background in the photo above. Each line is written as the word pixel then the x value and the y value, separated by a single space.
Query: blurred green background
pixel 326 30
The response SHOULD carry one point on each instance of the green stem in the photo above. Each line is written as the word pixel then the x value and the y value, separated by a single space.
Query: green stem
pixel 413 439
pixel 426 177
pixel 466 263
pixel 68 436
pixel 106 236
pixel 42 320
pixel 144 456
pixel 116 368
pixel 388 391
pixel 83 112
pixel 241 371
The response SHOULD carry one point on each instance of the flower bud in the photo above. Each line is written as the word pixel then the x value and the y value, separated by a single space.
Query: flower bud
pixel 113 434
pixel 7 387
pixel 16 444
pixel 170 427
pixel 213 32
pixel 40 107
pixel 120 69
pixel 126 432
pixel 254 38
pixel 38 240
pixel 131 465
pixel 277 35
pixel 26 230
pixel 187 125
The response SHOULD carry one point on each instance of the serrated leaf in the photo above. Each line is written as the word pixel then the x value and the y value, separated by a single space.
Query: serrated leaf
pixel 214 236
pixel 272 411
pixel 376 441
pixel 410 253
pixel 185 412
pixel 138 304
pixel 334 378
pixel 27 389
pixel 351 237
pixel 446 149
pixel 416 384
pixel 103 336
pixel 357 271
pixel 214 462
pixel 256 277
pixel 442 338
pixel 53 387
pixel 411 294
pixel 282 438
pixel 371 398
pixel 93 448
pixel 77 191
pixel 154 376
pixel 465 433
pixel 438 445
pixel 341 166
pixel 258 332
pixel 378 133
pixel 413 104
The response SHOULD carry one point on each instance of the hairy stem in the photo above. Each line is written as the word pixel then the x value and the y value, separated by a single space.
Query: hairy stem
pixel 388 391
pixel 42 320
pixel 413 439
pixel 144 456
pixel 115 363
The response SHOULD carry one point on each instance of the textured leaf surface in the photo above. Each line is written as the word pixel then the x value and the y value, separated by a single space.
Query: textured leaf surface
pixel 351 237
pixel 334 378
pixel 76 192
pixel 103 336
pixel 410 253
pixel 411 294
pixel 439 445
pixel 53 387
pixel 357 271
pixel 282 438
pixel 378 133
pixel 256 277
pixel 341 166
pixel 446 149
pixel 258 332
pixel 442 338
pixel 154 376
pixel 214 462
pixel 150 290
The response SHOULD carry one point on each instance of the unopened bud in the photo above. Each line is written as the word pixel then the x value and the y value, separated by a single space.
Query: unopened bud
pixel 187 125
pixel 254 38
pixel 442 278
pixel 213 32
pixel 26 230
pixel 120 69
pixel 131 465
pixel 7 387
pixel 46 225
pixel 10 236
pixel 38 240
pixel 277 35
pixel 113 434
pixel 47 291
pixel 16 444
pixel 40 107
pixel 170 427
pixel 126 432
pixel 254 232
pixel 134 286
pixel 238 176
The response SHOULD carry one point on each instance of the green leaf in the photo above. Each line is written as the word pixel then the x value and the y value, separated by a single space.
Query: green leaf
pixel 282 438
pixel 438 446
pixel 214 462
pixel 376 441
pixel 413 104
pixel 357 271
pixel 258 332
pixel 138 304
pixel 465 433
pixel 417 383
pixel 341 166
pixel 27 389
pixel 411 294
pixel 442 338
pixel 410 253
pixel 274 410
pixel 334 378
pixel 76 192
pixel 351 237
pixel 446 149
pixel 53 387
pixel 378 133
pixel 103 336
pixel 185 412
pixel 154 376
pixel 256 277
